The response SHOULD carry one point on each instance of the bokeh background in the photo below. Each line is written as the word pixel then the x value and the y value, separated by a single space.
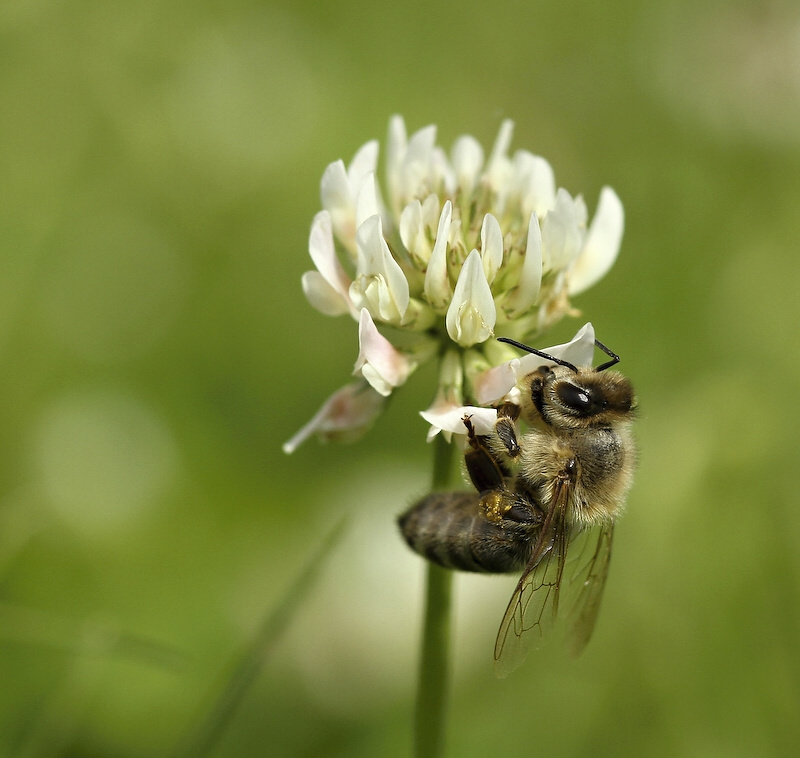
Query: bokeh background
pixel 160 168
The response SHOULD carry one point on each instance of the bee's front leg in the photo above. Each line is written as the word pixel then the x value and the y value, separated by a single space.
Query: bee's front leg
pixel 483 467
pixel 507 414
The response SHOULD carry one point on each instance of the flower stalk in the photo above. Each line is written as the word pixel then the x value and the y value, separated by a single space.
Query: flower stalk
pixel 434 664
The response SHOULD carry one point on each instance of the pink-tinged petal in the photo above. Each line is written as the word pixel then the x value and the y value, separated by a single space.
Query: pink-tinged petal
pixel 497 382
pixel 323 254
pixel 383 366
pixel 452 419
pixel 344 417
pixel 601 245
pixel 472 313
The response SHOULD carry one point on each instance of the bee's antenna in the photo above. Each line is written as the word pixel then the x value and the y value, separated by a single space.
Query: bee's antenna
pixel 547 356
pixel 615 359
pixel 608 364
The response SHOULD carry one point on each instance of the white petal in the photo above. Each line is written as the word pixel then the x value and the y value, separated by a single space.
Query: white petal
pixel 322 296
pixel 412 173
pixel 467 162
pixel 397 144
pixel 579 351
pixel 341 191
pixel 537 183
pixel 379 362
pixel 441 174
pixel 601 245
pixel 472 314
pixel 431 212
pixel 491 246
pixel 335 187
pixel 530 278
pixel 337 199
pixel 364 163
pixel 368 199
pixel 581 211
pixel 452 419
pixel 499 166
pixel 344 416
pixel 562 233
pixel 323 254
pixel 437 282
pixel 380 284
pixel 420 145
pixel 413 233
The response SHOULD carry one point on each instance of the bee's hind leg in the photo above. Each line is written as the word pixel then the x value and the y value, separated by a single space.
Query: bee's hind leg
pixel 483 467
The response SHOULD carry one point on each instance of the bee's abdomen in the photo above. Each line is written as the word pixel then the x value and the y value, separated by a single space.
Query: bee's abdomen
pixel 449 528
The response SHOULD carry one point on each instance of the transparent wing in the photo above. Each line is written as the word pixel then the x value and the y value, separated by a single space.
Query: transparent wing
pixel 534 605
pixel 586 584
pixel 550 581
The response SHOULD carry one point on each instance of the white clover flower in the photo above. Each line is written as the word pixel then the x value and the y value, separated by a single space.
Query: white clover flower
pixel 463 250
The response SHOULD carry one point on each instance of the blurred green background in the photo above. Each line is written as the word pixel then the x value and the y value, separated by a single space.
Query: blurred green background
pixel 160 168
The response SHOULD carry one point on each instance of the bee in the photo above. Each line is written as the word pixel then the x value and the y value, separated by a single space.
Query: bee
pixel 557 488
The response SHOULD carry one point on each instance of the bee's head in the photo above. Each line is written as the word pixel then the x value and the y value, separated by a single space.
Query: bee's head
pixel 585 397
pixel 572 397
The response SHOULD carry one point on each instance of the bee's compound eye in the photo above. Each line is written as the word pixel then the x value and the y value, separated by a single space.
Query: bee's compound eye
pixel 575 397
pixel 521 514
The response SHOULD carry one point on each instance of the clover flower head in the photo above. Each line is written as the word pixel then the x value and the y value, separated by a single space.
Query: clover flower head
pixel 460 249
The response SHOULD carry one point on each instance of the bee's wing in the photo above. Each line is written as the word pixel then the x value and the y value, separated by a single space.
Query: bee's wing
pixel 534 605
pixel 586 584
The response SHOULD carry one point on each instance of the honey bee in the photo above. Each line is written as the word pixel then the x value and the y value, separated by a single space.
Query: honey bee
pixel 557 488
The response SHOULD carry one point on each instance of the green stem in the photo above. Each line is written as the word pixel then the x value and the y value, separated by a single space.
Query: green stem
pixel 434 668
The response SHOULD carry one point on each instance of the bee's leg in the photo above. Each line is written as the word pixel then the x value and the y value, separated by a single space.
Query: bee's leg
pixel 507 414
pixel 485 471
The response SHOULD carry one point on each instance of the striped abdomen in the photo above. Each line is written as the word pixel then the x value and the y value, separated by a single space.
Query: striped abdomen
pixel 450 528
